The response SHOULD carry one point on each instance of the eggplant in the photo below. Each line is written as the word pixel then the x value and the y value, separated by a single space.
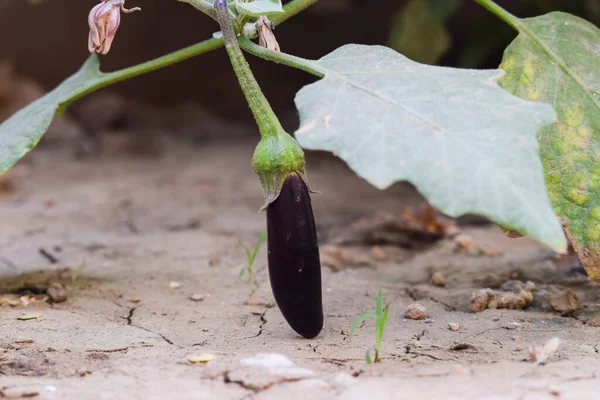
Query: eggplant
pixel 294 264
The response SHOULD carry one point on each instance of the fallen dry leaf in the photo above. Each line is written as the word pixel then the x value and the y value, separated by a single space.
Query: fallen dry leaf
pixel 5 301
pixel 542 354
pixel 428 219
pixel 201 359
pixel 27 299
pixel 30 317
pixel 18 392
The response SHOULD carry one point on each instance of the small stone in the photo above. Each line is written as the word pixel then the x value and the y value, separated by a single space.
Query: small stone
pixel 135 300
pixel 481 299
pixel 490 250
pixel 459 346
pixel 438 279
pixel 454 327
pixel 57 293
pixel 461 370
pixel 594 321
pixel 540 301
pixel 564 303
pixel 512 326
pixel 174 285
pixel 378 253
pixel 83 372
pixel 464 241
pixel 519 348
pixel 198 296
pixel 416 311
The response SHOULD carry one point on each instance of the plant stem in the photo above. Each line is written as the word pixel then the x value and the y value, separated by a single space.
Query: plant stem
pixel 266 119
pixel 203 6
pixel 291 9
pixel 280 58
pixel 500 13
pixel 109 78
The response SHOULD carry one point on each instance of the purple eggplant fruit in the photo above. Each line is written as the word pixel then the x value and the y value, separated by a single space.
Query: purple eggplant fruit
pixel 294 265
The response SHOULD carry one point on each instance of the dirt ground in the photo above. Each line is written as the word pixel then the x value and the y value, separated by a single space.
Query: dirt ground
pixel 139 223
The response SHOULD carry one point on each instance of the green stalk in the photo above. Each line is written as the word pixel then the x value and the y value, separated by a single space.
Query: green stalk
pixel 203 6
pixel 291 9
pixel 266 119
pixel 277 155
pixel 280 58
pixel 110 78
pixel 500 13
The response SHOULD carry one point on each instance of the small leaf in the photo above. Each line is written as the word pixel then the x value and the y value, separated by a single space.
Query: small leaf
pixel 21 132
pixel 466 144
pixel 359 320
pixel 556 59
pixel 255 8
pixel 368 356
pixel 381 326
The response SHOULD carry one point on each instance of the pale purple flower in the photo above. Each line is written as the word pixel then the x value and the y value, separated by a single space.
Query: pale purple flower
pixel 104 21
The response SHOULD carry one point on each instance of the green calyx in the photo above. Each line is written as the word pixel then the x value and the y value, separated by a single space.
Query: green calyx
pixel 278 154
pixel 275 158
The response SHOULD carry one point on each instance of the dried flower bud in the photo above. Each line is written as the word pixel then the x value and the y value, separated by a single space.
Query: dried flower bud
pixel 266 37
pixel 104 21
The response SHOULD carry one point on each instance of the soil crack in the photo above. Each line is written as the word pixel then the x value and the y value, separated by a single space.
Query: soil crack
pixel 130 315
pixel 261 327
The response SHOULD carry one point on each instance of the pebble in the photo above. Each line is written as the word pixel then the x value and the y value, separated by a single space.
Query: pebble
pixel 416 311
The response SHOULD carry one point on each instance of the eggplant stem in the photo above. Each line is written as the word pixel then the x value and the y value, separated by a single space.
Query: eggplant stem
pixel 267 121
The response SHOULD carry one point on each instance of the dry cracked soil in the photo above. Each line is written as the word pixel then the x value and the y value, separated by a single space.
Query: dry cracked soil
pixel 139 236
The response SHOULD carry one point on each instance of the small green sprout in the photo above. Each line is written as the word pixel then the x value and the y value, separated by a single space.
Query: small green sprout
pixel 381 317
pixel 251 255
pixel 77 271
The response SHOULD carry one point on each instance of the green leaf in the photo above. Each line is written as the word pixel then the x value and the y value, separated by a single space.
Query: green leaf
pixel 255 8
pixel 359 320
pixel 381 323
pixel 556 59
pixel 368 356
pixel 418 30
pixel 467 145
pixel 21 132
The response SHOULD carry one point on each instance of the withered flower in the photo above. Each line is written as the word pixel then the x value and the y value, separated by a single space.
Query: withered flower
pixel 104 21
pixel 266 37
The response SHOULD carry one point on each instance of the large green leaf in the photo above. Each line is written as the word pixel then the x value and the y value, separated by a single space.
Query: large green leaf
pixel 556 59
pixel 467 145
pixel 22 131
pixel 418 29
pixel 258 7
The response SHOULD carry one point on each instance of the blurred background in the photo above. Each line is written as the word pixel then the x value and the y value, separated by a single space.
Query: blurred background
pixel 46 40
